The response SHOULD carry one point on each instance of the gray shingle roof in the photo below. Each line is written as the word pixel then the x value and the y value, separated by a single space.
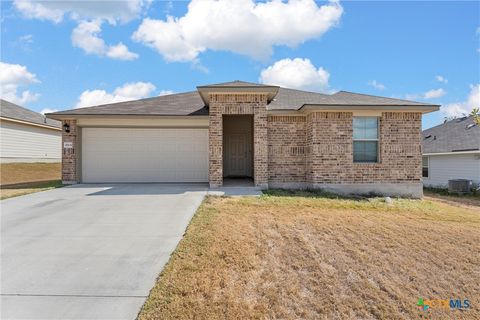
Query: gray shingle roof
pixel 180 104
pixel 288 99
pixel 13 111
pixel 452 136
pixel 190 103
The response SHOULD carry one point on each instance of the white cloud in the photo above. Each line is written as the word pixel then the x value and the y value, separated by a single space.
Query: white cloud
pixel 441 79
pixel 434 93
pixel 24 42
pixel 165 92
pixel 457 109
pixel 48 110
pixel 13 76
pixel 297 73
pixel 241 26
pixel 129 91
pixel 90 15
pixel 37 10
pixel 377 85
pixel 55 11
pixel 86 37
pixel 121 52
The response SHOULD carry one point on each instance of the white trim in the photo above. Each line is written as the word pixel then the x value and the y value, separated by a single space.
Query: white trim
pixel 30 123
pixel 428 166
pixel 451 153
pixel 377 140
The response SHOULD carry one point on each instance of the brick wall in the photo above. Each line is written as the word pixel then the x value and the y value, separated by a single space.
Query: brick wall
pixel 286 149
pixel 318 149
pixel 69 156
pixel 329 142
pixel 231 104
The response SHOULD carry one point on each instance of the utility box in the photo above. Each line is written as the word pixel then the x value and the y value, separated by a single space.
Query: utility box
pixel 460 185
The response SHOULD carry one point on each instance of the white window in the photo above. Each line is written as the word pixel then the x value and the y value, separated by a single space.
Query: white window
pixel 425 167
pixel 365 139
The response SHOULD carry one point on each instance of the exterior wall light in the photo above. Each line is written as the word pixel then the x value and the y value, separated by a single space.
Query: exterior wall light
pixel 66 127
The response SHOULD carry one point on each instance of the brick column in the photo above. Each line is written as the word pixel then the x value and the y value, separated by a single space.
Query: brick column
pixel 215 146
pixel 260 146
pixel 69 155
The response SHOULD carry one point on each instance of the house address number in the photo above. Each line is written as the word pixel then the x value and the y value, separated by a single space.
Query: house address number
pixel 68 145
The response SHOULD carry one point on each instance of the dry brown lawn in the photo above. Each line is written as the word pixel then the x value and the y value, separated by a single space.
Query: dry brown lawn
pixel 16 173
pixel 290 257
pixel 18 179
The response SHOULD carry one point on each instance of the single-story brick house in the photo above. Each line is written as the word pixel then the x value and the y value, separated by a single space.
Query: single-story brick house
pixel 343 142
pixel 28 136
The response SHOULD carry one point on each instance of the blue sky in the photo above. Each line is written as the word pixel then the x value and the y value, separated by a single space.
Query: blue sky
pixel 60 56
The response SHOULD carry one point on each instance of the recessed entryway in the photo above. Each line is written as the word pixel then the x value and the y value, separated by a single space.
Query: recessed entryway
pixel 237 146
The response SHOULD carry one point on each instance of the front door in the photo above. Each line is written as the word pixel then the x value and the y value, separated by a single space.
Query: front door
pixel 237 155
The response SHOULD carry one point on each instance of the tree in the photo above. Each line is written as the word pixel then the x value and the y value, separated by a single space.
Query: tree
pixel 476 115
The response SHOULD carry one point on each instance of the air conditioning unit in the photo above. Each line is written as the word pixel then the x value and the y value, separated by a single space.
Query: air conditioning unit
pixel 460 185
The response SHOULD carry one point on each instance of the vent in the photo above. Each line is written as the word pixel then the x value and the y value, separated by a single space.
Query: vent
pixel 460 185
pixel 471 125
pixel 429 136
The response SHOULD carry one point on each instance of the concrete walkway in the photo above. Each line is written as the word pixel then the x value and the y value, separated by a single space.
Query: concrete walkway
pixel 89 251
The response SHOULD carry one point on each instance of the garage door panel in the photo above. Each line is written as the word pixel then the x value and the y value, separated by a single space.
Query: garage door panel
pixel 144 155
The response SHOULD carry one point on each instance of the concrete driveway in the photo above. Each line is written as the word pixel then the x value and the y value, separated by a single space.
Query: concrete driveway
pixel 89 251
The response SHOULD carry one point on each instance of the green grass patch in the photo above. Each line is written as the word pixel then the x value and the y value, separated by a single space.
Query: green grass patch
pixel 475 194
pixel 27 188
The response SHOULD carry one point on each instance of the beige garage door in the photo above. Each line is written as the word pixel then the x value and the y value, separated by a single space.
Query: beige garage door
pixel 144 155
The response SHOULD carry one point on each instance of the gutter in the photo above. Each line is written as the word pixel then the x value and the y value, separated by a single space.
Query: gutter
pixel 451 153
pixel 34 124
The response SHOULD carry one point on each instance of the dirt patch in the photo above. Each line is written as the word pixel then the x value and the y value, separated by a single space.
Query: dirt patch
pixel 20 173
pixel 278 257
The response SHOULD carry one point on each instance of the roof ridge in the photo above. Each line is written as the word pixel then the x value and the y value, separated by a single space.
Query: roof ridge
pixel 232 83
pixel 446 122
pixel 314 92
pixel 382 97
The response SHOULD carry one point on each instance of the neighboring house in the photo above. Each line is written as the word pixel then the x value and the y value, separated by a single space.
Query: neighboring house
pixel 27 136
pixel 279 137
pixel 451 151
